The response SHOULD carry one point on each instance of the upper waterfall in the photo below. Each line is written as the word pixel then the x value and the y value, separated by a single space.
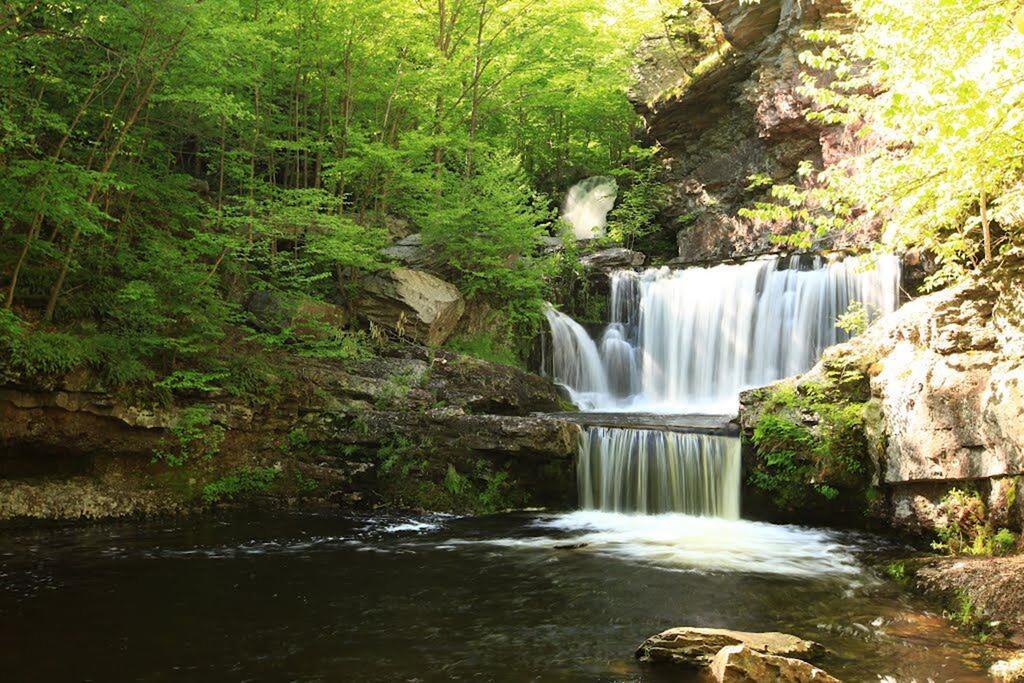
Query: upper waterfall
pixel 690 340
pixel 587 205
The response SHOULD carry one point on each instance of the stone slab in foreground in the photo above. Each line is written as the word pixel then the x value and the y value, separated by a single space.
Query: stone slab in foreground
pixel 698 647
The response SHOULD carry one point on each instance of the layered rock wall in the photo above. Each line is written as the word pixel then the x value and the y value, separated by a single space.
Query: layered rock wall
pixel 73 449
pixel 737 114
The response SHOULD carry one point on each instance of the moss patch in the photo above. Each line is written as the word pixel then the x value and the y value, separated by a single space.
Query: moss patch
pixel 810 438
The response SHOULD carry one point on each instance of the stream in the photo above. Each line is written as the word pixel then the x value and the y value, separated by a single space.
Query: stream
pixel 509 597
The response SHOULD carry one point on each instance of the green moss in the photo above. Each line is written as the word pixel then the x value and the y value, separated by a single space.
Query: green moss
pixel 810 448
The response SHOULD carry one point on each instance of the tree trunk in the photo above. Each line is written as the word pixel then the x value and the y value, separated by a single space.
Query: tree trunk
pixel 985 228
pixel 51 305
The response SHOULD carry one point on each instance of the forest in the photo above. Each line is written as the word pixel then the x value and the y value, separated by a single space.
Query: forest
pixel 161 161
pixel 482 339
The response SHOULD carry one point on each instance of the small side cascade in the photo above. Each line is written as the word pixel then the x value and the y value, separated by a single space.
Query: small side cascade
pixel 655 472
pixel 575 361
pixel 587 205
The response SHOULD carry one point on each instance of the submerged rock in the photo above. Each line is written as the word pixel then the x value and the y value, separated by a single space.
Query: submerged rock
pixel 415 304
pixel 741 663
pixel 697 647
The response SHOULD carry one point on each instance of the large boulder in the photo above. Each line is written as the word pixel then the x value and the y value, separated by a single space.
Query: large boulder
pixel 412 253
pixel 609 260
pixel 741 663
pixel 696 647
pixel 415 304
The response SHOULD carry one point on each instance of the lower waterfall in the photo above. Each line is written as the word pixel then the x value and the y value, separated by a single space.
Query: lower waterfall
pixel 653 472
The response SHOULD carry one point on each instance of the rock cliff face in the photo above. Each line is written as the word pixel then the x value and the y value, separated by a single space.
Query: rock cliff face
pixel 383 431
pixel 941 382
pixel 736 114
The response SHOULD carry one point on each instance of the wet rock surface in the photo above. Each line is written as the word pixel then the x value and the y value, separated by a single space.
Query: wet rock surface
pixel 742 663
pixel 994 587
pixel 698 647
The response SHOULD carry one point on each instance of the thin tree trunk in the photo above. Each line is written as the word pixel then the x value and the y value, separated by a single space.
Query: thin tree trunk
pixel 985 228
pixel 51 305
pixel 37 219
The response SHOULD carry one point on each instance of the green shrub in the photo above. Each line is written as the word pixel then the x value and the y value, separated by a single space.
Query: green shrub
pixel 47 354
pixel 456 484
pixel 486 346
pixel 1004 542
pixel 855 320
pixel 799 464
pixel 247 481
pixel 897 571
pixel 195 436
pixel 966 530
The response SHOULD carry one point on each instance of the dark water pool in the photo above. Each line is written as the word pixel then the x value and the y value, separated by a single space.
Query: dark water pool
pixel 513 597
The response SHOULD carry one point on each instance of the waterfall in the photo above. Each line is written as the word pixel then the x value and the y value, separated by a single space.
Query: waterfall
pixel 575 361
pixel 690 340
pixel 636 470
pixel 587 205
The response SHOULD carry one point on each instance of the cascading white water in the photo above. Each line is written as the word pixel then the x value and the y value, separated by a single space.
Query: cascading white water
pixel 587 205
pixel 637 470
pixel 690 341
pixel 575 360
pixel 699 336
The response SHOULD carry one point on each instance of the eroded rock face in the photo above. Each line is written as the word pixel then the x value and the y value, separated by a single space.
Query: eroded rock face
pixel 746 24
pixel 415 304
pixel 741 663
pixel 88 452
pixel 741 114
pixel 608 260
pixel 697 647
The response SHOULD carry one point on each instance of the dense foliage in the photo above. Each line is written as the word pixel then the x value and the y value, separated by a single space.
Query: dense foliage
pixel 161 161
pixel 933 90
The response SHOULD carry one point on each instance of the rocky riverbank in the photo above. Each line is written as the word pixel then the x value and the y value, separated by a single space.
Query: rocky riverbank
pixel 415 428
